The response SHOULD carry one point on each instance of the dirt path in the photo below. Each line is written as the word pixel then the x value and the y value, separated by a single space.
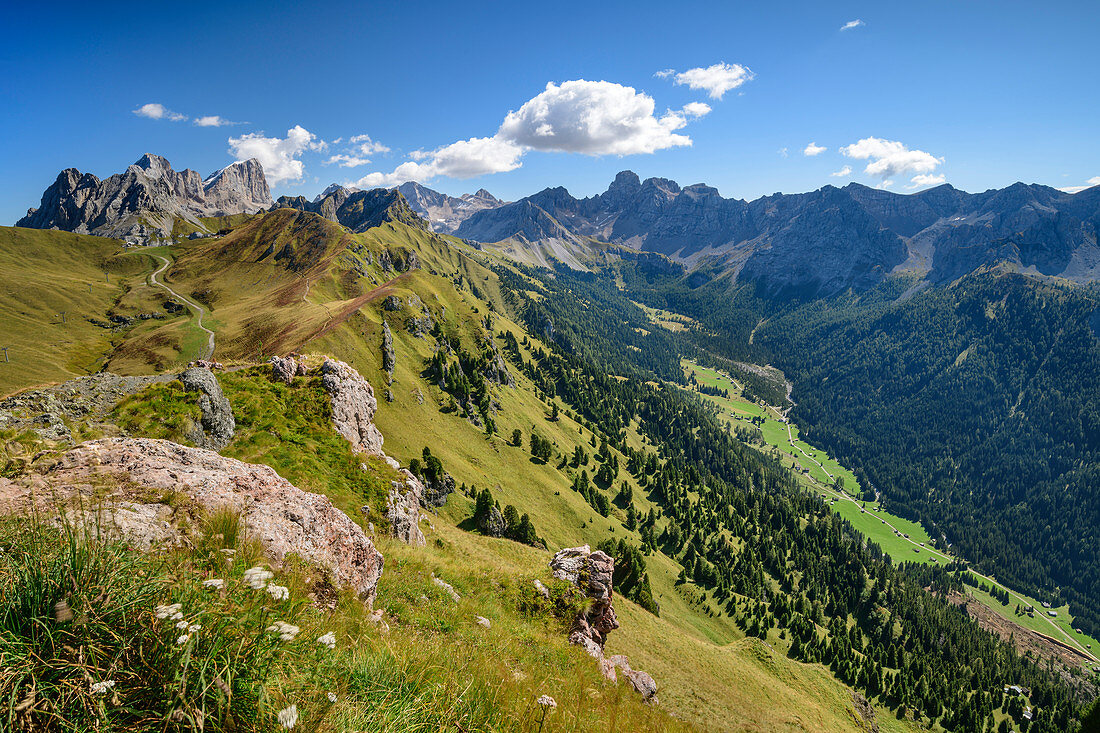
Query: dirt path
pixel 197 309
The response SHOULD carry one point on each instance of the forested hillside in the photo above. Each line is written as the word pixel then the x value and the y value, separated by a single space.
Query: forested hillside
pixel 974 407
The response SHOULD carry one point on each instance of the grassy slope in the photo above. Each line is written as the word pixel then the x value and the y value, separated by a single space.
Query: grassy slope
pixel 300 295
pixel 44 273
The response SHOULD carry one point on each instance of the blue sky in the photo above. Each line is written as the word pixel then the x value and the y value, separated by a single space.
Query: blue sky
pixel 980 94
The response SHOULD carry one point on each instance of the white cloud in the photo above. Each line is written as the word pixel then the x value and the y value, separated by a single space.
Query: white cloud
pixel 1094 181
pixel 716 80
pixel 783 152
pixel 586 117
pixel 278 156
pixel 477 156
pixel 926 180
pixel 347 161
pixel 212 121
pixel 852 24
pixel 843 172
pixel 593 118
pixel 664 73
pixel 696 109
pixel 367 146
pixel 889 157
pixel 885 184
pixel 157 111
pixel 813 149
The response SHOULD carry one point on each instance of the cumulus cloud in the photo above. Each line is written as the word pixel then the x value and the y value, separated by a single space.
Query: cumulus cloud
pixel 593 118
pixel 843 172
pixel 280 157
pixel 813 149
pixel 586 117
pixel 926 179
pixel 157 111
pixel 852 24
pixel 1094 181
pixel 696 109
pixel 367 146
pixel 889 157
pixel 477 156
pixel 212 121
pixel 885 184
pixel 716 79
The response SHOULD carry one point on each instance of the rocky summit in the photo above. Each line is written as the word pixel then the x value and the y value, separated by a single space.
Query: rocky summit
pixel 815 243
pixel 146 200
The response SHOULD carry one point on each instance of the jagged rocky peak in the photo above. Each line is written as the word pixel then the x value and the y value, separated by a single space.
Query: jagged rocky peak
pixel 147 199
pixel 357 210
pixel 444 212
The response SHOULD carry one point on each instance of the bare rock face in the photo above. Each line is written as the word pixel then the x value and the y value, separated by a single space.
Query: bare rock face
pixel 218 424
pixel 286 369
pixel 147 199
pixel 281 516
pixel 353 406
pixel 592 573
pixel 403 510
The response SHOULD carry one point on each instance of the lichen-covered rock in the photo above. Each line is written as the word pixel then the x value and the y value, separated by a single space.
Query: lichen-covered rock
pixel 403 510
pixel 218 424
pixel 124 472
pixel 353 406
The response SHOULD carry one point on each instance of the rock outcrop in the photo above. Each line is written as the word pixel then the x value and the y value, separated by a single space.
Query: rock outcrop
pixel 122 473
pixel 444 212
pixel 285 369
pixel 218 424
pixel 147 199
pixel 592 574
pixel 403 510
pixel 389 358
pixel 353 406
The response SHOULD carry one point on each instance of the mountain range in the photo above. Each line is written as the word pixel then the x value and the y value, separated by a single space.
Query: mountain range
pixel 816 243
pixel 810 244
pixel 147 199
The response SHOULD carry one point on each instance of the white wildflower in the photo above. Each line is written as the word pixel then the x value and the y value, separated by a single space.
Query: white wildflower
pixel 216 583
pixel 171 613
pixel 193 628
pixel 183 639
pixel 257 577
pixel 288 717
pixel 99 688
pixel 332 697
pixel 278 592
pixel 547 702
pixel 181 625
pixel 286 631
pixel 328 640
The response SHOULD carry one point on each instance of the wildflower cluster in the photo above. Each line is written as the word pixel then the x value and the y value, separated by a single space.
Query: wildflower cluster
pixel 286 631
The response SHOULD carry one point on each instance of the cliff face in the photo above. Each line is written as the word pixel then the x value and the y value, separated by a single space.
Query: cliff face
pixel 445 213
pixel 147 198
pixel 820 242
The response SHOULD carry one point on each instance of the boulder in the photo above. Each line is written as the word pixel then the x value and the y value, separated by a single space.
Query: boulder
pixel 492 524
pixel 282 517
pixel 218 424
pixel 353 406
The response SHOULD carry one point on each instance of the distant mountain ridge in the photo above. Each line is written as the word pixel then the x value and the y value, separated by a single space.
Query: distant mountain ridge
pixel 820 242
pixel 446 213
pixel 147 199
pixel 355 209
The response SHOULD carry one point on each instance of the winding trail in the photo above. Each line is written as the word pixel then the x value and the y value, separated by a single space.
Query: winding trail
pixel 195 308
